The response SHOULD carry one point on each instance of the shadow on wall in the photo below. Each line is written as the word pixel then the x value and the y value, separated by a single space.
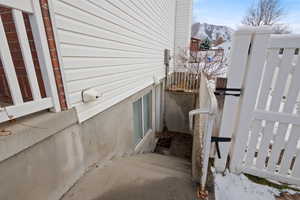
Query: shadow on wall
pixel 178 106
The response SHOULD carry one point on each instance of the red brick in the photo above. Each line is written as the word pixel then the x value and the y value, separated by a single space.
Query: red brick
pixel 53 53
pixel 6 17
pixel 52 44
pixel 11 35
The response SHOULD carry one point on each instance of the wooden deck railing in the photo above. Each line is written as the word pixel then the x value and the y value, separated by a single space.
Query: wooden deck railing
pixel 183 82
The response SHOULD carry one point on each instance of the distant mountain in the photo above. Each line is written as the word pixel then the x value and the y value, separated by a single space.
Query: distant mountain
pixel 212 32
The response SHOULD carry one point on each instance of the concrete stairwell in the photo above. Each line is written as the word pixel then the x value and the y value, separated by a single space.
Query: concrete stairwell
pixel 141 177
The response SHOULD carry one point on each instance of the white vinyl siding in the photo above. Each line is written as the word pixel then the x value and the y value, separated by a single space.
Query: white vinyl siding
pixel 183 23
pixel 113 46
pixel 184 10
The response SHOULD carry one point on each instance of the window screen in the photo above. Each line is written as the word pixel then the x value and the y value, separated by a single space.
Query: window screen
pixel 147 109
pixel 142 117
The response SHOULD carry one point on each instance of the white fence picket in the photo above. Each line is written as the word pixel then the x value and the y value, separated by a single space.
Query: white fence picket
pixel 256 63
pixel 24 5
pixel 277 146
pixel 252 146
pixel 9 68
pixel 296 169
pixel 41 43
pixel 267 135
pixel 26 52
pixel 269 73
pixel 19 107
pixel 284 70
pixel 289 105
pixel 238 62
pixel 290 151
pixel 267 139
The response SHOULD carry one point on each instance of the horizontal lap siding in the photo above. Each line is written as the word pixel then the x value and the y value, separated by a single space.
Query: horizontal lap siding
pixel 183 22
pixel 183 26
pixel 114 46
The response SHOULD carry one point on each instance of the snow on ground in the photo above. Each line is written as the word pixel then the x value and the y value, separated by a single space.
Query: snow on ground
pixel 237 187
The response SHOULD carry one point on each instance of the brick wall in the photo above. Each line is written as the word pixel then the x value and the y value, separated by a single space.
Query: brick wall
pixel 14 46
pixel 195 44
pixel 53 53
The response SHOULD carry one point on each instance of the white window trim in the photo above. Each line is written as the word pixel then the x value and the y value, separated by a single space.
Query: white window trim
pixel 141 143
pixel 143 124
pixel 145 133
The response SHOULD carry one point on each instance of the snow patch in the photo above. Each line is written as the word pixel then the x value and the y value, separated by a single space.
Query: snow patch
pixel 211 31
pixel 236 187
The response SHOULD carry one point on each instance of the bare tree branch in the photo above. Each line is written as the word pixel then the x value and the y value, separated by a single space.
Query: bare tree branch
pixel 265 12
pixel 211 62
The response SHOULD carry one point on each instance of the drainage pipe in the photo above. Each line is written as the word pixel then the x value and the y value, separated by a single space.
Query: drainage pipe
pixel 196 112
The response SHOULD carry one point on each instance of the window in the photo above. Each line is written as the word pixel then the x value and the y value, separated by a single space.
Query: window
pixel 137 121
pixel 142 117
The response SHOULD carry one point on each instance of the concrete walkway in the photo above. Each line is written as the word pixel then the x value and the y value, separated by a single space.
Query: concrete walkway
pixel 142 177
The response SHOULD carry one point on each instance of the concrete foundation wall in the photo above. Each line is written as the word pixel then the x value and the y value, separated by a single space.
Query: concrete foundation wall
pixel 45 170
pixel 178 106
pixel 50 166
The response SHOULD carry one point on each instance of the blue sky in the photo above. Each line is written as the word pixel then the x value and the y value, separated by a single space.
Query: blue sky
pixel 231 12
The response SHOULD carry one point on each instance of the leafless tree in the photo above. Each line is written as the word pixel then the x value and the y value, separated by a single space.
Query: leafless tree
pixel 211 62
pixel 265 12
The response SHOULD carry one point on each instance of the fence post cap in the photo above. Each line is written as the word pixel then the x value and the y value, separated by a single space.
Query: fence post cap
pixel 251 29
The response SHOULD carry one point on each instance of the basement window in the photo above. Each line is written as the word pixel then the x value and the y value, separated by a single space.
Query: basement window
pixel 142 117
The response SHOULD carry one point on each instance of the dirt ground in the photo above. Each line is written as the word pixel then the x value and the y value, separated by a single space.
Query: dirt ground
pixel 287 196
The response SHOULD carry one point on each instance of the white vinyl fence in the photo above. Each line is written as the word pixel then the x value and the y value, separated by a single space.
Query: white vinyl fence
pixel 264 122
pixel 19 107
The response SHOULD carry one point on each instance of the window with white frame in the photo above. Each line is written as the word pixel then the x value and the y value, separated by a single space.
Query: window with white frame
pixel 142 117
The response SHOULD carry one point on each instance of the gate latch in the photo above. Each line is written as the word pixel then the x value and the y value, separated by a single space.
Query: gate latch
pixel 223 92
pixel 216 140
